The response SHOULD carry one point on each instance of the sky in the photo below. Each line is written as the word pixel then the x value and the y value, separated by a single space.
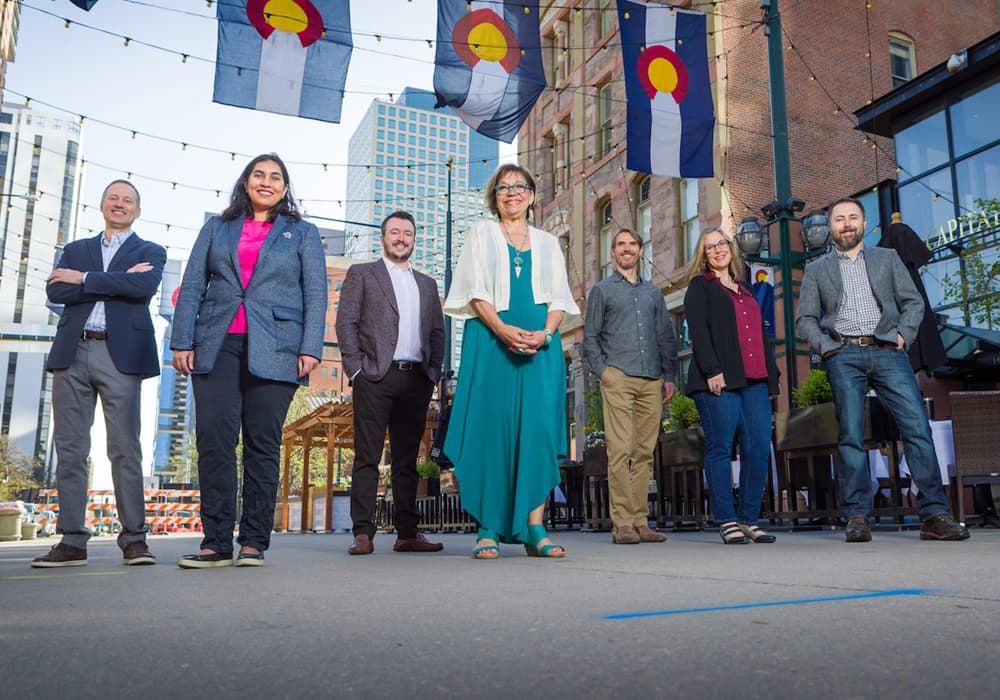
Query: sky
pixel 91 72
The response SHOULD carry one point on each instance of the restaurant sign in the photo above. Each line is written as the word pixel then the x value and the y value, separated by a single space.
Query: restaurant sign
pixel 975 222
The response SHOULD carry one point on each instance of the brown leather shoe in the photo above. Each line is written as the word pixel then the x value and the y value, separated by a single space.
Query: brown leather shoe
pixel 943 527
pixel 362 545
pixel 416 544
pixel 61 555
pixel 137 554
pixel 648 535
pixel 858 530
pixel 625 534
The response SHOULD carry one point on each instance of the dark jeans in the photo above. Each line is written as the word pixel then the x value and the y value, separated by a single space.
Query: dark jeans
pixel 397 402
pixel 229 398
pixel 748 411
pixel 851 370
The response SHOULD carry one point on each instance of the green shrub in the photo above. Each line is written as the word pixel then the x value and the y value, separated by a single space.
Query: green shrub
pixel 428 470
pixel 815 390
pixel 682 413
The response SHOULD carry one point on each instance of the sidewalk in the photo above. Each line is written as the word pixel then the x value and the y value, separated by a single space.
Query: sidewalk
pixel 807 617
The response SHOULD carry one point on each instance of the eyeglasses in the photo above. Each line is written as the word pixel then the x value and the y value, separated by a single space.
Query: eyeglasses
pixel 711 247
pixel 516 188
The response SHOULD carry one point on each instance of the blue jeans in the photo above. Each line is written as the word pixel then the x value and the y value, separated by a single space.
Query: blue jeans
pixel 850 371
pixel 747 410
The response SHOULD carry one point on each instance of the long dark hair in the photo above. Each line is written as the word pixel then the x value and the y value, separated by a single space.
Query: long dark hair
pixel 240 206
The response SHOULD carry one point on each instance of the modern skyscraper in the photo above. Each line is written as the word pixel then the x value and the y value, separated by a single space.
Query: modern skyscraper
pixel 39 187
pixel 402 156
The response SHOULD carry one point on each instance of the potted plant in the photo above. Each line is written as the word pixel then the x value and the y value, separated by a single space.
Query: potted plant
pixel 595 451
pixel 430 475
pixel 812 421
pixel 683 439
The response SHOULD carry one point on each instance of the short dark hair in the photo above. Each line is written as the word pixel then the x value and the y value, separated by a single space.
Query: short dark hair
pixel 239 201
pixel 635 236
pixel 847 200
pixel 138 199
pixel 506 169
pixel 399 214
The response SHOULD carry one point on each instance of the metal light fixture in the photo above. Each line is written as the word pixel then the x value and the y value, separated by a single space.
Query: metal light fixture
pixel 750 237
pixel 815 230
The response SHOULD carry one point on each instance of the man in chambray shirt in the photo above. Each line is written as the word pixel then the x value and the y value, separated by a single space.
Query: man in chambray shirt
pixel 629 343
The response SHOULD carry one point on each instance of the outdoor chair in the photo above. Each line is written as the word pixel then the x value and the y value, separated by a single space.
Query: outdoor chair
pixel 975 419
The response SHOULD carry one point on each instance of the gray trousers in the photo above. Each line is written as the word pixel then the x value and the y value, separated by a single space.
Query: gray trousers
pixel 74 398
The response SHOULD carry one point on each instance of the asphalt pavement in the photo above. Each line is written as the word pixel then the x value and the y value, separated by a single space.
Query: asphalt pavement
pixel 807 617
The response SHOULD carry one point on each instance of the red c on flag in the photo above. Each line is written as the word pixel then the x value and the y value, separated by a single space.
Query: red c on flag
pixel 294 16
pixel 484 36
pixel 662 70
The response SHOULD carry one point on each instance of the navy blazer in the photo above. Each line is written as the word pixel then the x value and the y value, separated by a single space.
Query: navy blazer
pixel 368 322
pixel 126 297
pixel 285 300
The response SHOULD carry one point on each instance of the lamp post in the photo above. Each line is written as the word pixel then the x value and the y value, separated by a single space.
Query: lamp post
pixel 753 240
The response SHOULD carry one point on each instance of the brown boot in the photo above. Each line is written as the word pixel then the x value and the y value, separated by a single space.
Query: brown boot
pixel 625 534
pixel 648 535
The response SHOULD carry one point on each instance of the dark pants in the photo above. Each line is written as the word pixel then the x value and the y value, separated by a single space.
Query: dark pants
pixel 397 402
pixel 228 398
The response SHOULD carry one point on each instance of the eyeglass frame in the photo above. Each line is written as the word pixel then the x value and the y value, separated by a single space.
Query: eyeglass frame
pixel 515 188
pixel 709 247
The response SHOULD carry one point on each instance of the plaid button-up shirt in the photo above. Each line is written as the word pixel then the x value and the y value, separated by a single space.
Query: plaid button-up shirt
pixel 858 313
pixel 98 320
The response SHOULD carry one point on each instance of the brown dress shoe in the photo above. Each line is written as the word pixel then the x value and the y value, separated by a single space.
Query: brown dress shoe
pixel 943 527
pixel 648 535
pixel 416 544
pixel 625 534
pixel 858 530
pixel 362 545
pixel 137 554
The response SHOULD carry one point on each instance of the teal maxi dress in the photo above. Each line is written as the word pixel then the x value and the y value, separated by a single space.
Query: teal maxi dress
pixel 507 430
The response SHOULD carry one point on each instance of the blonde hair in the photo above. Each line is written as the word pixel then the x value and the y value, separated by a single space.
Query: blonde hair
pixel 699 262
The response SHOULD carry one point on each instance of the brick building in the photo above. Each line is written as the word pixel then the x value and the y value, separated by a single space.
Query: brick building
pixel 328 376
pixel 839 55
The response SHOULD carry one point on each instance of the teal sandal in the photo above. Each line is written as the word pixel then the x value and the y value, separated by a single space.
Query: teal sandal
pixel 486 551
pixel 536 533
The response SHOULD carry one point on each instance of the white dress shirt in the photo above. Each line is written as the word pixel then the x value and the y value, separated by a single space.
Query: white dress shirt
pixel 404 286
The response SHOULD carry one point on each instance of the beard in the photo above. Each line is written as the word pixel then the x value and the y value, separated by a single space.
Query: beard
pixel 847 241
pixel 396 257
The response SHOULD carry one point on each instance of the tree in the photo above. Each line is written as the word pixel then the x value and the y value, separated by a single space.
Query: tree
pixel 183 467
pixel 977 282
pixel 15 471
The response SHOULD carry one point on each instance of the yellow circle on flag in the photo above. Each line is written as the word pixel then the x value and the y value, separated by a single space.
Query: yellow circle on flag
pixel 663 75
pixel 487 41
pixel 286 16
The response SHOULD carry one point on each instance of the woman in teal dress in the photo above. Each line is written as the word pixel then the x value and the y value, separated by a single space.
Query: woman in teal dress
pixel 507 430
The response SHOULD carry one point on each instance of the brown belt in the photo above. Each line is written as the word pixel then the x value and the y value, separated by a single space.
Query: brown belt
pixel 862 340
pixel 94 335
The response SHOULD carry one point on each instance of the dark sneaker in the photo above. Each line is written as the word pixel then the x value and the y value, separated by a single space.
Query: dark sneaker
pixel 943 527
pixel 137 554
pixel 61 555
pixel 250 559
pixel 858 530
pixel 205 561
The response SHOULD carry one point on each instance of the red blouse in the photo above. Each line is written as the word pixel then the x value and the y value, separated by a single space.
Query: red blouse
pixel 748 327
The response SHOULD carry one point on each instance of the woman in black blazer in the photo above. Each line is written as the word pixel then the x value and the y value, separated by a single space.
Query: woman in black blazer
pixel 731 378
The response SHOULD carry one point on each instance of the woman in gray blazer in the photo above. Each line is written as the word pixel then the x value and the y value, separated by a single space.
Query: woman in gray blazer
pixel 249 327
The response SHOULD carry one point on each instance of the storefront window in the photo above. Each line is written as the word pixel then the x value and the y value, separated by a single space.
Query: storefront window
pixel 978 178
pixel 928 204
pixel 922 146
pixel 971 124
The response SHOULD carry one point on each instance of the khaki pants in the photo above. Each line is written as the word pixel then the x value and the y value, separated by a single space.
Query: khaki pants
pixel 632 410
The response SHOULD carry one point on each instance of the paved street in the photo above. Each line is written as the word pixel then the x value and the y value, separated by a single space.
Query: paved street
pixel 807 617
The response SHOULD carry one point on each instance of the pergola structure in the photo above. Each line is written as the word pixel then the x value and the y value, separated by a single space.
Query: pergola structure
pixel 329 426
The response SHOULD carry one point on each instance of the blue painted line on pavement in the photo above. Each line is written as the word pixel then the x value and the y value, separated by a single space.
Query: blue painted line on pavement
pixel 771 604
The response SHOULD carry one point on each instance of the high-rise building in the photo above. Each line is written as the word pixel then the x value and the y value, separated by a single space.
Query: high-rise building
pixel 40 187
pixel 408 155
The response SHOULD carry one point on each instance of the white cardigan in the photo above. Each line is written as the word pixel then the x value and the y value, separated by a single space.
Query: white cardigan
pixel 483 272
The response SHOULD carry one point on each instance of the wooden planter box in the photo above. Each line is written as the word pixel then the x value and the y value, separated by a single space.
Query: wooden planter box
pixel 595 461
pixel 816 427
pixel 681 446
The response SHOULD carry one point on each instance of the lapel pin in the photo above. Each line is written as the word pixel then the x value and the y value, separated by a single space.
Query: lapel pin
pixel 287 234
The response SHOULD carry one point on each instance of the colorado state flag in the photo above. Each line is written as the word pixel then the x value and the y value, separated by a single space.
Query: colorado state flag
pixel 488 65
pixel 284 56
pixel 671 119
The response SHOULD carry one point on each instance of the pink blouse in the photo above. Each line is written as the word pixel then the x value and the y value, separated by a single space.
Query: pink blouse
pixel 251 239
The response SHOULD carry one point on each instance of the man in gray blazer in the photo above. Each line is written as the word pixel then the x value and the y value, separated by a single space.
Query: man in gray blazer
pixel 859 310
pixel 391 334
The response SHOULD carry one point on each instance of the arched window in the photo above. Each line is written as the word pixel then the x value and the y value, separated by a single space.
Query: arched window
pixel 606 220
pixel 644 225
pixel 902 58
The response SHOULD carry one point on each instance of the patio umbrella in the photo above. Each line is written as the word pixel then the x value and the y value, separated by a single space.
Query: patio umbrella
pixel 928 350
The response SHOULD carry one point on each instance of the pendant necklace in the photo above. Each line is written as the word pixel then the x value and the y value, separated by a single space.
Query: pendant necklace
pixel 517 249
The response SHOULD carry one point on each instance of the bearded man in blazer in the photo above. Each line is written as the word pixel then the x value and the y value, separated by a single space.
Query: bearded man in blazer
pixel 104 347
pixel 859 310
pixel 390 328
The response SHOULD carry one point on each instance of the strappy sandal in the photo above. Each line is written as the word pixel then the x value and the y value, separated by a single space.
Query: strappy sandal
pixel 756 534
pixel 486 551
pixel 536 533
pixel 732 534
